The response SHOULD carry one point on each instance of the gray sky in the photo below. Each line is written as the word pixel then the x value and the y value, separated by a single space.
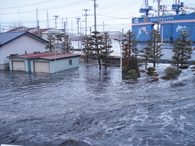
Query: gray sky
pixel 116 14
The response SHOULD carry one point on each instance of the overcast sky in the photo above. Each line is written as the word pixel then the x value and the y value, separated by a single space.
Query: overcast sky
pixel 116 14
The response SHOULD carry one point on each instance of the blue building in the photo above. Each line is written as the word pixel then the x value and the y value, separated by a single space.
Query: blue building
pixel 170 26
pixel 47 62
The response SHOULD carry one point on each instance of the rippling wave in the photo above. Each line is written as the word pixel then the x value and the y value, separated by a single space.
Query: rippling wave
pixel 88 107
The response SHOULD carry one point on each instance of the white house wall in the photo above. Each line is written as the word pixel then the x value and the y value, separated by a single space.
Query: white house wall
pixel 19 46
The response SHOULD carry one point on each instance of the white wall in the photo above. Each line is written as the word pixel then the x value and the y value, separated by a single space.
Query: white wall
pixel 19 46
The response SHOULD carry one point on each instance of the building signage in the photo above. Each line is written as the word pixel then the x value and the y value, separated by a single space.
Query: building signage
pixel 162 19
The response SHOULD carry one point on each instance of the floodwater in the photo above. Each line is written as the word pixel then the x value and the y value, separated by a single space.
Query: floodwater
pixel 88 107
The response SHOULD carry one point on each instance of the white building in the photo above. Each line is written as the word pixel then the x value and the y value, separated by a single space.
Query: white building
pixel 18 43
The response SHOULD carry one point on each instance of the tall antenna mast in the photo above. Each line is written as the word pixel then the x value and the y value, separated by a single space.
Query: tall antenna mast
pixel 37 16
pixel 56 17
pixel 47 19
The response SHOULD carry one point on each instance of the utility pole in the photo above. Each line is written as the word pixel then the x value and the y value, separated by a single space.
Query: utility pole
pixel 66 24
pixel 62 23
pixel 78 30
pixel 86 19
pixel 191 35
pixel 163 9
pixel 90 31
pixel 56 16
pixel 71 26
pixel 64 28
pixel 103 27
pixel 158 27
pixel 95 15
pixel 121 55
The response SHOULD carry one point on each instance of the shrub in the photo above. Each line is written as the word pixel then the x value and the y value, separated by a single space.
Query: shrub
pixel 172 72
pixel 131 74
pixel 184 66
pixel 142 71
pixel 165 78
pixel 155 74
pixel 150 71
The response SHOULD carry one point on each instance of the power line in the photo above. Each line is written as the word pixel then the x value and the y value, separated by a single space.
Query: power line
pixel 50 8
pixel 43 2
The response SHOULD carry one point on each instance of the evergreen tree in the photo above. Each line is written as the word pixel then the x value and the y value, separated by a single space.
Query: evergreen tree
pixel 147 53
pixel 66 44
pixel 58 39
pixel 106 50
pixel 98 47
pixel 87 42
pixel 182 49
pixel 129 46
pixel 155 38
pixel 51 45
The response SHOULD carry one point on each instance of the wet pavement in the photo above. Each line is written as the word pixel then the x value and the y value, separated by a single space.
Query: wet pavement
pixel 88 107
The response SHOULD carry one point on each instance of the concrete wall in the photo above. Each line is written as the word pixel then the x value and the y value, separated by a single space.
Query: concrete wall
pixel 19 46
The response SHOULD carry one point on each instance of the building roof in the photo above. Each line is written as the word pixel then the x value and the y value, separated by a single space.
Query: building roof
pixel 23 28
pixel 10 36
pixel 45 55
pixel 42 30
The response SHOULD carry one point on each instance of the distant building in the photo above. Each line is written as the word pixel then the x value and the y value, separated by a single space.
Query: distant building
pixel 47 62
pixel 113 34
pixel 18 43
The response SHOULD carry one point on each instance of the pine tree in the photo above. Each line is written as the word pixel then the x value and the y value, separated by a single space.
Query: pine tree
pixel 87 42
pixel 155 38
pixel 106 50
pixel 58 39
pixel 66 44
pixel 129 46
pixel 51 45
pixel 97 46
pixel 147 53
pixel 182 49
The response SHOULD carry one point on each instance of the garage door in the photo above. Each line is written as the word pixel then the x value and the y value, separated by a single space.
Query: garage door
pixel 41 66
pixel 18 65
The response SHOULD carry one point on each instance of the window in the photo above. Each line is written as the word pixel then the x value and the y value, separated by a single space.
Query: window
pixel 70 62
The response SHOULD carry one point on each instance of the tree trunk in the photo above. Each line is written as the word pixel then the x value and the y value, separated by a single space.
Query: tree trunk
pixel 99 62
